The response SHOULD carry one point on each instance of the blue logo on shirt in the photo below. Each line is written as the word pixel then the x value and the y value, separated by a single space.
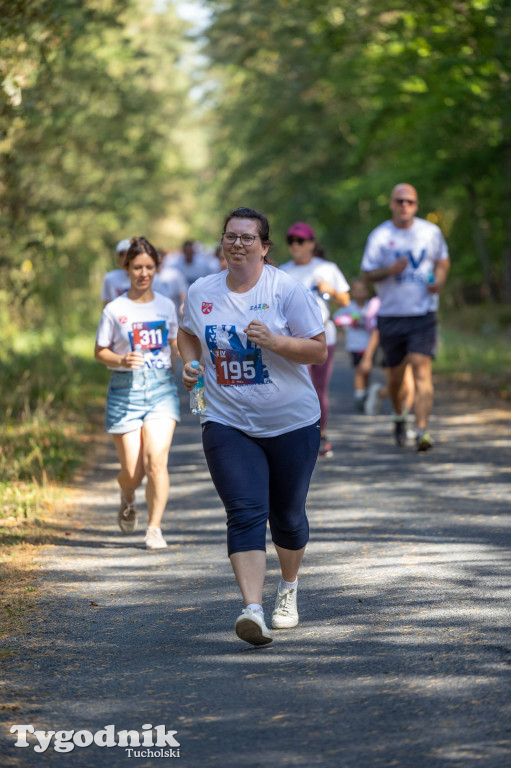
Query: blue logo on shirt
pixel 414 276
pixel 226 337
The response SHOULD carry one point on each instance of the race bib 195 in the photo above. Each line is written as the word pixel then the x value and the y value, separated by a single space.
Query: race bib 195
pixel 236 367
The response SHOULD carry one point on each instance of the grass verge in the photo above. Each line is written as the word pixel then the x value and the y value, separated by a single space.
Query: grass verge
pixel 475 350
pixel 52 392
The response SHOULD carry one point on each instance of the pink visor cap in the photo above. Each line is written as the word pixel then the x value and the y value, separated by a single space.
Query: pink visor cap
pixel 301 229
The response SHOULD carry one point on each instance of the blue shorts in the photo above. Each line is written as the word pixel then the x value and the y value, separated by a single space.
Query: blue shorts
pixel 134 397
pixel 260 479
pixel 401 335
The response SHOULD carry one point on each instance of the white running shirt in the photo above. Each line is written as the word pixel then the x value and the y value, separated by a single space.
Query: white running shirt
pixel 170 282
pixel 115 283
pixel 405 295
pixel 246 387
pixel 200 266
pixel 125 323
pixel 309 275
pixel 357 335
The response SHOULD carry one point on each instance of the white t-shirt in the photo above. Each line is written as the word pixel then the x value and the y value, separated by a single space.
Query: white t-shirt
pixel 406 295
pixel 115 283
pixel 253 389
pixel 309 275
pixel 125 323
pixel 358 334
pixel 170 282
pixel 200 266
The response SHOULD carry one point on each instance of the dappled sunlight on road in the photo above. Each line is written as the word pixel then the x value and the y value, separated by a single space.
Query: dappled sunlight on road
pixel 403 597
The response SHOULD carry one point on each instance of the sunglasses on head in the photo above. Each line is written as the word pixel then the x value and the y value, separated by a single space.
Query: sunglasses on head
pixel 294 239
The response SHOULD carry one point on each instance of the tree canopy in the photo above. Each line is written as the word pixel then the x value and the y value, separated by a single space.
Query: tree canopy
pixel 322 106
pixel 306 109
pixel 91 148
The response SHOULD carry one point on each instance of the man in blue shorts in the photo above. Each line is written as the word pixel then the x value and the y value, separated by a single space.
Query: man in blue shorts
pixel 408 261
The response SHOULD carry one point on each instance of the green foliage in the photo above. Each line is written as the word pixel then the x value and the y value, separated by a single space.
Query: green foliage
pixel 474 347
pixel 477 359
pixel 51 397
pixel 323 106
pixel 90 147
pixel 38 452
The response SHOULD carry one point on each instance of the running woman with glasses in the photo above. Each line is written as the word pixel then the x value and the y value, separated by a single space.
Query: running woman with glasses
pixel 256 330
pixel 327 283
pixel 408 261
pixel 136 340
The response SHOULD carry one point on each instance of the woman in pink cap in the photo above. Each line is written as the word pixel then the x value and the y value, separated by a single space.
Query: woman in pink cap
pixel 327 283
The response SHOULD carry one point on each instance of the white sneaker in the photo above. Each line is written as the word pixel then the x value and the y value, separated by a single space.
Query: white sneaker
pixel 285 613
pixel 373 400
pixel 127 516
pixel 154 539
pixel 250 627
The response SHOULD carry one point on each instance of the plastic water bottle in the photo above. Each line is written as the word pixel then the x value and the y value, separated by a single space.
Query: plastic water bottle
pixel 138 348
pixel 197 398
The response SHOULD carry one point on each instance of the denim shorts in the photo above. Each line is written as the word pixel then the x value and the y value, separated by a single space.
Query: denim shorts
pixel 137 396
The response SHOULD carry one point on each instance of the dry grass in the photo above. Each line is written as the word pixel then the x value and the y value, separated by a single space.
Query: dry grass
pixel 33 517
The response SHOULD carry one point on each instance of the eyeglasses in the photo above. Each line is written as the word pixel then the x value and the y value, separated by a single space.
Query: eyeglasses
pixel 292 239
pixel 402 200
pixel 245 239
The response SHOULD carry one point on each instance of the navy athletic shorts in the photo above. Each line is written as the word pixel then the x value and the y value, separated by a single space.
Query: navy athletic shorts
pixel 401 335
pixel 356 357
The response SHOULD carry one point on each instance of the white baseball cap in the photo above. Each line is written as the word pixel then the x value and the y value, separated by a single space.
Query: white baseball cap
pixel 122 245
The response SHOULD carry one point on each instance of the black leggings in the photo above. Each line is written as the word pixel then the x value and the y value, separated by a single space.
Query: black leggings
pixel 260 479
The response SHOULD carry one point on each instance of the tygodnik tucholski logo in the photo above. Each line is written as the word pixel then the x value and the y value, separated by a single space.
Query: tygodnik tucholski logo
pixel 152 742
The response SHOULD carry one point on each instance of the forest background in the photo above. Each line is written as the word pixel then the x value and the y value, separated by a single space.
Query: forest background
pixel 117 118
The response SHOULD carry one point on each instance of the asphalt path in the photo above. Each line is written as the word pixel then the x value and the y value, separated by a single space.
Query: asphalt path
pixel 403 652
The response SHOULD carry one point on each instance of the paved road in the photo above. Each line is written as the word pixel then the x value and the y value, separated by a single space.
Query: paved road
pixel 403 654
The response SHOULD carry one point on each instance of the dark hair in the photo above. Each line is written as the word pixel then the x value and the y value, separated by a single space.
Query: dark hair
pixel 320 253
pixel 140 245
pixel 263 226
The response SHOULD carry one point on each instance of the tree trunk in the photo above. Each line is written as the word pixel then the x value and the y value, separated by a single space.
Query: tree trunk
pixel 487 288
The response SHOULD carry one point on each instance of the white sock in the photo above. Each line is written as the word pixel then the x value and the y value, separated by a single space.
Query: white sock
pixel 255 607
pixel 288 584
pixel 360 394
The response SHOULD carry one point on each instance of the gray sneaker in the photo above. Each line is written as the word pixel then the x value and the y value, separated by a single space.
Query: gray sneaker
pixel 250 627
pixel 285 613
pixel 373 400
pixel 127 516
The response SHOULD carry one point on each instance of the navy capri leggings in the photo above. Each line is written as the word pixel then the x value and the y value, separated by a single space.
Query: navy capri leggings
pixel 260 479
